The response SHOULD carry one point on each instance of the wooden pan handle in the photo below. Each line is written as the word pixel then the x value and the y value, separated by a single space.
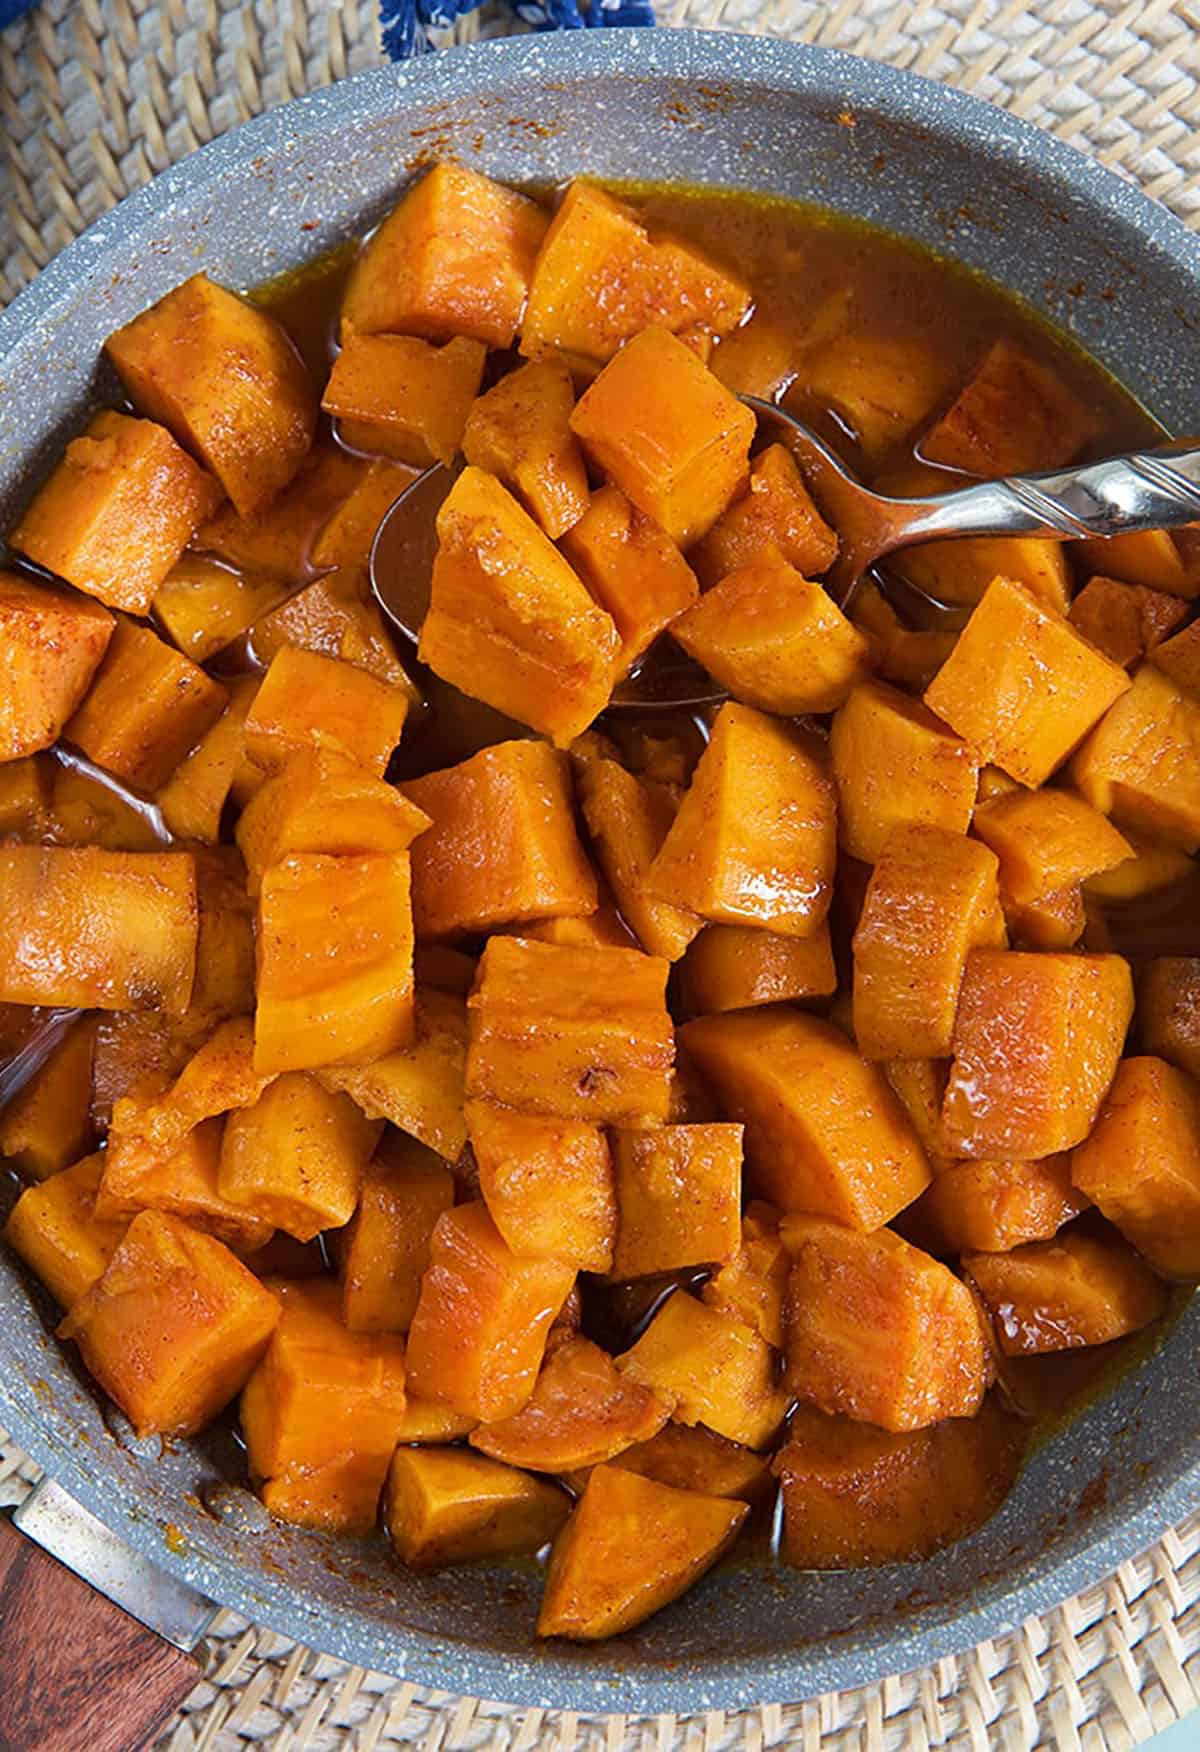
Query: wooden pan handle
pixel 77 1674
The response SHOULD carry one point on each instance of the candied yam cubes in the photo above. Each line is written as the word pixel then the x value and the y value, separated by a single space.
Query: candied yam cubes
pixel 991 1207
pixel 405 1189
pixel 692 1458
pixel 225 379
pixel 1125 621
pixel 335 945
pixel 118 511
pixel 297 1156
pixel 547 1184
pixel 679 1197
pixel 717 1371
pixel 1168 1010
pixel 571 1032
pixel 1141 763
pixel 583 1411
pixel 755 839
pixel 173 1328
pixel 1046 841
pixel 1141 1164
pixel 479 1331
pixel 1021 686
pixel 47 1124
pixel 732 967
pixel 774 518
pixel 632 568
pixel 894 762
pixel 630 1548
pixel 932 898
pixel 309 702
pixel 96 930
pixel 453 258
pixel 824 1131
pixel 509 622
pixel 418 1088
pixel 1179 658
pixel 444 1506
pixel 55 1229
pixel 520 432
pixel 878 1330
pixel 183 1180
pixel 335 616
pixel 400 397
pixel 1058 1295
pixel 502 844
pixel 193 799
pixel 1036 1045
pixel 667 433
pixel 752 1284
pixel 1014 415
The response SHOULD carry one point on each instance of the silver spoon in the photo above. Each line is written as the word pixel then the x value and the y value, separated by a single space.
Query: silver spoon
pixel 1121 495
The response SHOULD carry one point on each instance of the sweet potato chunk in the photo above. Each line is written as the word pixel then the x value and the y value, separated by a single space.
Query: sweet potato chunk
pixel 224 984
pixel 1021 686
pixel 1179 658
pixel 920 1087
pixel 1153 558
pixel 173 1328
pixel 47 1125
pixel 323 802
pixel 1036 1045
pixel 1168 1010
pixel 1141 1164
pixel 405 1190
pixel 57 1233
pixel 183 1181
pixel 520 432
pixel 509 622
pixel 880 387
pixel 855 1496
pixel 454 258
pixel 878 1330
pixel 718 1371
pixel 630 1548
pixel 297 1156
pixel 774 519
pixel 26 786
pixel 147 707
pixel 752 1284
pixel 335 616
pixel 203 606
pixel 547 1184
pixel 1153 866
pixel 583 1411
pixel 347 535
pixel 225 379
pixel 427 1421
pixel 321 1414
pixel 419 1088
pixel 218 1077
pixel 1141 764
pixel 824 1132
pixel 89 929
pixel 894 762
pixel 632 568
pixel 908 658
pixel 1014 415
pixel 601 279
pixel 1125 621
pixel 1046 841
pixel 479 1331
pixel 571 1033
pixel 400 397
pixel 731 967
pixel 277 542
pixel 334 961
pixel 754 842
pixel 961 571
pixel 689 1457
pixel 502 845
pixel 194 798
pixel 668 433
pixel 118 511
pixel 444 1507
pixel 991 1207
pixel 679 1193
pixel 1057 1295
pixel 308 702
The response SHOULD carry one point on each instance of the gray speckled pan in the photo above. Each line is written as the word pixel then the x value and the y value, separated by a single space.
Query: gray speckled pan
pixel 923 160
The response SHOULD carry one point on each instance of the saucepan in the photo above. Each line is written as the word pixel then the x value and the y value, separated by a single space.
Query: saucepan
pixel 1082 246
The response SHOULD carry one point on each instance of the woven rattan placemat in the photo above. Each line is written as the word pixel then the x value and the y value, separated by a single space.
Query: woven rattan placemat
pixel 98 95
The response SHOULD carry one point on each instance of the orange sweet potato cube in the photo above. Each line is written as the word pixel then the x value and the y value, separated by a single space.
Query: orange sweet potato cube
pixel 755 839
pixel 193 799
pixel 991 1207
pixel 428 1421
pixel 225 379
pixel 400 397
pixel 1013 415
pixel 26 789
pixel 600 279
pixel 878 1330
pixel 502 845
pixel 443 1506
pixel 335 616
pixel 630 1548
pixel 758 358
pixel 297 1156
pixel 309 702
pixel 1054 921
pixel 147 707
pixel 960 571
pixel 520 432
pixel 775 640
pixel 1140 763
pixel 1056 1295
pixel 322 1412
pixel 95 930
pixel 55 1229
pixel 47 1124
pixel 752 1284
pixel 453 258
pixel 203 606
pixel 932 898
pixel 419 1088
pixel 775 518
pixel 118 511
pixel 733 967
pixel 920 1087
pixel 405 1189
pixel 1168 1010
pixel 509 622
pixel 1021 686
pixel 668 433
pixel 718 1371
pixel 1036 1045
pixel 632 568
pixel 547 1184
pixel 347 535
pixel 1141 1164
pixel 335 948
pixel 277 542
pixel 679 1195
pixel 224 984
pixel 183 1181
pixel 218 1077
pixel 1125 621
pixel 583 1412
pixel 1046 841
pixel 173 1328
pixel 689 1457
pixel 824 1131
pixel 324 802
pixel 893 763
pixel 572 1033
pixel 1153 558
pixel 879 386
pixel 1179 658
pixel 479 1331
